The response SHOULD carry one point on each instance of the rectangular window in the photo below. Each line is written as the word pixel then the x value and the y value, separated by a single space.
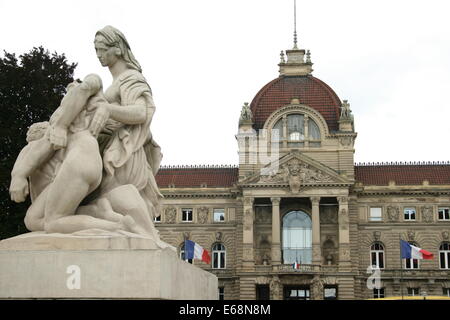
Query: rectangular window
pixel 186 215
pixel 409 214
pixel 221 293
pixel 375 214
pixel 411 264
pixel 157 219
pixel 412 292
pixel 378 293
pixel 219 215
pixel 446 292
pixel 330 293
pixel 444 214
pixel 262 292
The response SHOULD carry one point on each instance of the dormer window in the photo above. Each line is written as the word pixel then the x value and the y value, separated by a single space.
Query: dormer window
pixel 296 131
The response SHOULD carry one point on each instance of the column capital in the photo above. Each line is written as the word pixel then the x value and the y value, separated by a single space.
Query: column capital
pixel 275 201
pixel 248 201
pixel 314 200
pixel 342 200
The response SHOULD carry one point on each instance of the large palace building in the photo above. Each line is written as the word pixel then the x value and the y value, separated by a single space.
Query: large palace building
pixel 297 218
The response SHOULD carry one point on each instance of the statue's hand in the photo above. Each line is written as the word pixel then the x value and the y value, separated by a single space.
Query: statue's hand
pixel 99 120
pixel 58 137
pixel 18 189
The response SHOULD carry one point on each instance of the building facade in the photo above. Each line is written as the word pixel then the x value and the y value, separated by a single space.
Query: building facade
pixel 297 219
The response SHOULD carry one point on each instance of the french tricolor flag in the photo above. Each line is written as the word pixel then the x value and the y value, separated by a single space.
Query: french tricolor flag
pixel 409 251
pixel 296 265
pixel 193 250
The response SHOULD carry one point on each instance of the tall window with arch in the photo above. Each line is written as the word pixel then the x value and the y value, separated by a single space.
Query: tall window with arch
pixel 297 238
pixel 377 255
pixel 297 130
pixel 219 256
pixel 444 255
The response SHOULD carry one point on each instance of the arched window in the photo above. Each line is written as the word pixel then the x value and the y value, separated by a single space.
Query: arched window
pixel 219 256
pixel 297 129
pixel 377 255
pixel 444 255
pixel 412 263
pixel 182 255
pixel 297 238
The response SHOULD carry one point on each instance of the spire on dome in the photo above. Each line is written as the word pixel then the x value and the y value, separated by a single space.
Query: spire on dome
pixel 296 64
pixel 295 25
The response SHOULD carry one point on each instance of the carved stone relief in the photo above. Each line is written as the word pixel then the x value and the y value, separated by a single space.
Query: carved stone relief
pixel 248 254
pixel 203 215
pixel 427 213
pixel 346 141
pixel 275 288
pixel 343 219
pixel 248 219
pixel 344 254
pixel 376 235
pixel 328 214
pixel 317 288
pixel 171 214
pixel 393 213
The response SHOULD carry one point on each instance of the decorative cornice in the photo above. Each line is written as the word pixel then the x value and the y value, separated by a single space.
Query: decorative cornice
pixel 402 163
pixel 206 166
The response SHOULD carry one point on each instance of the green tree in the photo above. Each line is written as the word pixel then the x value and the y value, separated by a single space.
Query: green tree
pixel 31 88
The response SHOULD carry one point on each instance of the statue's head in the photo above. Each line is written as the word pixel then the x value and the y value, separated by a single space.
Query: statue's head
pixel 111 46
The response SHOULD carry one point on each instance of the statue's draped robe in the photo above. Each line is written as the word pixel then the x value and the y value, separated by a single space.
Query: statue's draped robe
pixel 130 155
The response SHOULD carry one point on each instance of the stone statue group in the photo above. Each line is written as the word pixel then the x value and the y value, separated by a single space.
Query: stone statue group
pixel 93 164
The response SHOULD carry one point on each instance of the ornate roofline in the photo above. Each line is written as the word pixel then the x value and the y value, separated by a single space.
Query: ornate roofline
pixel 402 163
pixel 206 166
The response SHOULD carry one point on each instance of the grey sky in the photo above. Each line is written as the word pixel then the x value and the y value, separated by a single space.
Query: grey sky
pixel 204 58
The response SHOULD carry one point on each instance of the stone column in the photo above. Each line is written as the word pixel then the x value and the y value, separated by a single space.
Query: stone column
pixel 276 242
pixel 316 252
pixel 344 235
pixel 248 258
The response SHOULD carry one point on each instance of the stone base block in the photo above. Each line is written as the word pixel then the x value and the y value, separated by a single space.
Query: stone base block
pixel 124 266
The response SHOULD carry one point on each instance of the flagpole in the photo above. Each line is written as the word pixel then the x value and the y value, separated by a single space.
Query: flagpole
pixel 401 266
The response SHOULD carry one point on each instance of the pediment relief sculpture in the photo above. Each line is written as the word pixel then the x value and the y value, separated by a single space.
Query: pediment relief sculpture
pixel 296 173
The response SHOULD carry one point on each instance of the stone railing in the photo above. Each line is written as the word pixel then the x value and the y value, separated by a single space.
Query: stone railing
pixel 303 268
pixel 413 273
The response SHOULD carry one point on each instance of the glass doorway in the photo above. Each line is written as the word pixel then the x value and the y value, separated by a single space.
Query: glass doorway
pixel 296 293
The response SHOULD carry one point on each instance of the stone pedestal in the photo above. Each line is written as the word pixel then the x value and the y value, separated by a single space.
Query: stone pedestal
pixel 112 266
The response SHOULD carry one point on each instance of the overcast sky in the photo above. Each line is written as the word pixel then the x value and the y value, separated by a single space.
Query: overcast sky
pixel 205 58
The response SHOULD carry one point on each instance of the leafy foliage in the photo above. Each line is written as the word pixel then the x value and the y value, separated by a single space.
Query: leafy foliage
pixel 31 88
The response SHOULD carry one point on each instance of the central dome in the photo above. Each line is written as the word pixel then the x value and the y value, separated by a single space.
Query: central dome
pixel 309 90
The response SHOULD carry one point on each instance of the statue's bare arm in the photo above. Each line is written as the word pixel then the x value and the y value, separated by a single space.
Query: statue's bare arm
pixel 31 157
pixel 130 114
pixel 71 105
